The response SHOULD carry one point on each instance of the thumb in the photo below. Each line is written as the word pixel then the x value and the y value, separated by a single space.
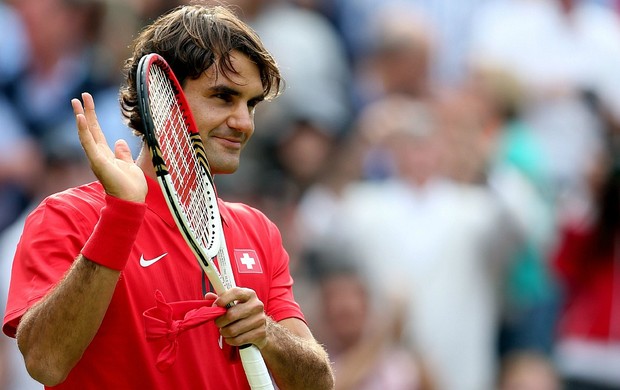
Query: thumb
pixel 122 151
pixel 211 296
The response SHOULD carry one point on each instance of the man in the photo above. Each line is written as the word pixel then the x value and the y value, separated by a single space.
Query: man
pixel 84 322
pixel 418 234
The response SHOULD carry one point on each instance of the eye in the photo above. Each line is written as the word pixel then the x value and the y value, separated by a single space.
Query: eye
pixel 224 97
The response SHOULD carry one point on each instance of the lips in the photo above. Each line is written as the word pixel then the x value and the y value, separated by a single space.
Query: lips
pixel 229 141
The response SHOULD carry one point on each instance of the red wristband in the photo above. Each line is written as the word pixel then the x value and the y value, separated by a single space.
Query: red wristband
pixel 115 233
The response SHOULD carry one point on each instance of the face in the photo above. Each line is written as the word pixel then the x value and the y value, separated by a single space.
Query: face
pixel 345 309
pixel 223 109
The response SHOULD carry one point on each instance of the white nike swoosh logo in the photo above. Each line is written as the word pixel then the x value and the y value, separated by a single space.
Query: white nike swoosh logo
pixel 147 263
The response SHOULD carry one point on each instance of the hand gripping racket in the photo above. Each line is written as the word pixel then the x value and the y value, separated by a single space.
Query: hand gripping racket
pixel 184 175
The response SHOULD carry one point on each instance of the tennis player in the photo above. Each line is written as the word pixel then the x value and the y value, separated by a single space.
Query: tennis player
pixel 106 294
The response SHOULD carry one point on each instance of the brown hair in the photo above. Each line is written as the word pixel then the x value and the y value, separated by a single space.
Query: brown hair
pixel 191 38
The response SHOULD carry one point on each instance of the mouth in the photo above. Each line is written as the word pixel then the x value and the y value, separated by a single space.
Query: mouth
pixel 229 142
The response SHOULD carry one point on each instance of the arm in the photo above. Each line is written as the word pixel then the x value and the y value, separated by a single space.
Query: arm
pixel 54 333
pixel 294 358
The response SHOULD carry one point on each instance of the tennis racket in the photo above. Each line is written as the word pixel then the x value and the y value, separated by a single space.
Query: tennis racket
pixel 184 175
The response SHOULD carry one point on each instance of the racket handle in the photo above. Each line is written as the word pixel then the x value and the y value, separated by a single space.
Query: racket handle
pixel 255 368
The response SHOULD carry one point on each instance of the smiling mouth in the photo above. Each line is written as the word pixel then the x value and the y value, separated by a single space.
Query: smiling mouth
pixel 233 143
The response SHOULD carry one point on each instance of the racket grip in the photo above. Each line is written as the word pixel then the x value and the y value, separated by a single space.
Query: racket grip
pixel 255 368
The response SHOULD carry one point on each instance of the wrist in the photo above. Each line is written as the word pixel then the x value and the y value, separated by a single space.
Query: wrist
pixel 270 326
pixel 113 237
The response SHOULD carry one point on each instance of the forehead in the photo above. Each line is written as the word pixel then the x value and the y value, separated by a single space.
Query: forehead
pixel 246 77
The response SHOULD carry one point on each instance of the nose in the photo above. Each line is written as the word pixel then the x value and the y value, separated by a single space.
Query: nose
pixel 241 119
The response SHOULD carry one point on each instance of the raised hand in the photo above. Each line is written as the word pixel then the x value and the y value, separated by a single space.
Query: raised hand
pixel 116 170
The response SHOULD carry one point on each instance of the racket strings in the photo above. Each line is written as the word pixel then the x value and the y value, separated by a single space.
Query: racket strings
pixel 196 195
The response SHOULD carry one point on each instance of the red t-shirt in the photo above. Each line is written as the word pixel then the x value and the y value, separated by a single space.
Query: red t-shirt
pixel 592 287
pixel 120 357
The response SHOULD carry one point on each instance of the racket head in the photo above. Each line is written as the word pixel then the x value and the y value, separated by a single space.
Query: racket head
pixel 150 66
pixel 178 156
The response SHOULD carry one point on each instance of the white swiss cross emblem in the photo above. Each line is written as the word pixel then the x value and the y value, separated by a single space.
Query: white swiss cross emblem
pixel 247 262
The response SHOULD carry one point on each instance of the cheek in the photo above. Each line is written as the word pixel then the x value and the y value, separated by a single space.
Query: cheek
pixel 206 120
pixel 249 134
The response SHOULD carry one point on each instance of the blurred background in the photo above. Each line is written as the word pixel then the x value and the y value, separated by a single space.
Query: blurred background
pixel 445 174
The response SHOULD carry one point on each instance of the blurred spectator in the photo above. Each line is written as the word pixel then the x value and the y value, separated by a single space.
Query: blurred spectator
pixel 314 65
pixel 439 243
pixel 52 63
pixel 398 59
pixel 20 164
pixel 449 22
pixel 364 341
pixel 59 35
pixel 568 48
pixel 492 146
pixel 316 210
pixel 19 156
pixel 13 41
pixel 525 370
pixel 65 166
pixel 148 10
pixel 588 263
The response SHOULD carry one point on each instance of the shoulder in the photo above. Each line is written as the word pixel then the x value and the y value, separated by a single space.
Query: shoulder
pixel 87 195
pixel 85 201
pixel 246 216
pixel 240 211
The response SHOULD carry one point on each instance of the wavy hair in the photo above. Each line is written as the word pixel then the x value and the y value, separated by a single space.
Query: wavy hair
pixel 191 39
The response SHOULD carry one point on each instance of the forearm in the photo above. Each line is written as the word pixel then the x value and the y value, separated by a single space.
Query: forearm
pixel 54 333
pixel 296 362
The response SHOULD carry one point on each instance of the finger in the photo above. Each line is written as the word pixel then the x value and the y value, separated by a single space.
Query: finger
pixel 94 153
pixel 91 117
pixel 211 296
pixel 86 138
pixel 77 106
pixel 242 336
pixel 241 311
pixel 244 325
pixel 122 151
pixel 235 295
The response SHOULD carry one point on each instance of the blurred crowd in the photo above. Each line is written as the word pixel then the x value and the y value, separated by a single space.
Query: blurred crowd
pixel 445 174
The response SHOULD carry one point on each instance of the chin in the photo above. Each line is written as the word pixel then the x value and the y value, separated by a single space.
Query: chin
pixel 224 169
pixel 224 172
pixel 223 164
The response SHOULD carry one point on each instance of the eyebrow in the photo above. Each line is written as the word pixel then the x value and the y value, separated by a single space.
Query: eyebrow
pixel 233 92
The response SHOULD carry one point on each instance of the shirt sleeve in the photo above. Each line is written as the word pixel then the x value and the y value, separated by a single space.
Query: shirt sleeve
pixel 281 303
pixel 53 236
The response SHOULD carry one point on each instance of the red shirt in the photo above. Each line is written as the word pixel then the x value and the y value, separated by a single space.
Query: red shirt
pixel 120 357
pixel 592 288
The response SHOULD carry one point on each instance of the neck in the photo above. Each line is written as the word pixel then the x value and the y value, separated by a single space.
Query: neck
pixel 144 161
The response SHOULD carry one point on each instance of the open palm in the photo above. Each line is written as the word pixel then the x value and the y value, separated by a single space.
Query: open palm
pixel 116 170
